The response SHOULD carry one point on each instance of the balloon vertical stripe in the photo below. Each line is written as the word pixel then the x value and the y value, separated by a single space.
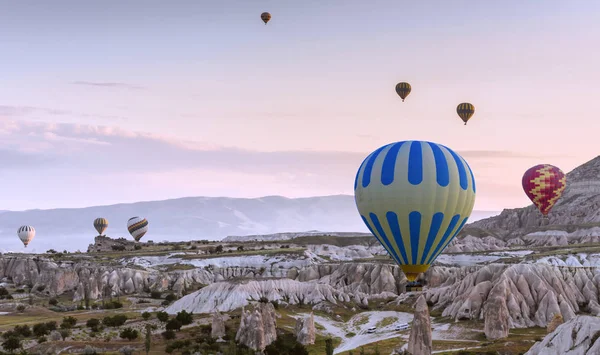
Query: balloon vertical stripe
pixel 379 238
pixel 392 219
pixel 415 163
pixel 366 180
pixel 436 223
pixel 461 171
pixel 447 233
pixel 442 174
pixel 389 164
pixel 414 223
pixel 383 236
pixel 447 241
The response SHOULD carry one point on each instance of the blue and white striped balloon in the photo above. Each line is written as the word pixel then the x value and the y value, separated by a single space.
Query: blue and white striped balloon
pixel 414 196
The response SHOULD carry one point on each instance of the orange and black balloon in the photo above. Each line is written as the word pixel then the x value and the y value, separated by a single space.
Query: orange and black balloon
pixel 544 184
pixel 403 89
pixel 265 16
pixel 465 110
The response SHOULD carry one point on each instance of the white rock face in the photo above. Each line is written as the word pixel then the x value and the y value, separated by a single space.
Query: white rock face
pixel 420 339
pixel 257 328
pixel 348 253
pixel 571 338
pixel 526 294
pixel 470 243
pixel 305 329
pixel 218 326
pixel 227 296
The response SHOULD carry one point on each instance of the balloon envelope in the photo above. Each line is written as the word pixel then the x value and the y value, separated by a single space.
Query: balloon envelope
pixel 415 197
pixel 26 234
pixel 544 184
pixel 465 111
pixel 100 224
pixel 403 89
pixel 265 16
pixel 137 227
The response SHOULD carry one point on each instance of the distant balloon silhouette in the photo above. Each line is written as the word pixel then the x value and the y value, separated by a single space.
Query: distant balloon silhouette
pixel 465 111
pixel 26 234
pixel 403 90
pixel 415 197
pixel 137 227
pixel 265 16
pixel 100 224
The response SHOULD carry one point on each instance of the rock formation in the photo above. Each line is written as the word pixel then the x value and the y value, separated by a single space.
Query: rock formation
pixel 579 336
pixel 420 340
pixel 218 326
pixel 495 312
pixel 528 294
pixel 106 244
pixel 305 329
pixel 258 327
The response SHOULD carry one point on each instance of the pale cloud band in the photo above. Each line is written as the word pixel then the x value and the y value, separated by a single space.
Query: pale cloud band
pixel 50 149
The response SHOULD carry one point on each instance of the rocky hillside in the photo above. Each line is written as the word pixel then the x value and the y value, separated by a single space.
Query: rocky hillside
pixel 580 335
pixel 579 206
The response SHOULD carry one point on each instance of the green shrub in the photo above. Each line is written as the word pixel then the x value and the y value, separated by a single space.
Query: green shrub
pixel 129 334
pixel 169 334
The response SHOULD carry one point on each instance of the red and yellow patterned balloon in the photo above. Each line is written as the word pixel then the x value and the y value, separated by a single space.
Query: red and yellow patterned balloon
pixel 544 184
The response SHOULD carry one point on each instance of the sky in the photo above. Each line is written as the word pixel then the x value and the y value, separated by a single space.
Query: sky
pixel 123 101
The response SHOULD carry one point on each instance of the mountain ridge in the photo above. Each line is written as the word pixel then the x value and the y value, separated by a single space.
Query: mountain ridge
pixel 187 218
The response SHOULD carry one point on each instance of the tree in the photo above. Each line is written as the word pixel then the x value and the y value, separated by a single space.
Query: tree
pixel 146 315
pixel 68 322
pixel 169 334
pixel 93 324
pixel 11 344
pixel 329 346
pixel 219 248
pixel 148 341
pixel 23 330
pixel 185 318
pixel 53 302
pixel 51 325
pixel 171 297
pixel 40 329
pixel 129 334
pixel 173 324
pixel 162 316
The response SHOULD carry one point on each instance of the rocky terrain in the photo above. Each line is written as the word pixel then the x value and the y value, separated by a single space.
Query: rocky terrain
pixel 510 287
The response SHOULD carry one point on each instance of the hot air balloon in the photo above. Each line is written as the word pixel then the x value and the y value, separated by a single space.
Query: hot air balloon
pixel 465 111
pixel 544 184
pixel 403 89
pixel 414 196
pixel 265 16
pixel 100 224
pixel 137 227
pixel 26 234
